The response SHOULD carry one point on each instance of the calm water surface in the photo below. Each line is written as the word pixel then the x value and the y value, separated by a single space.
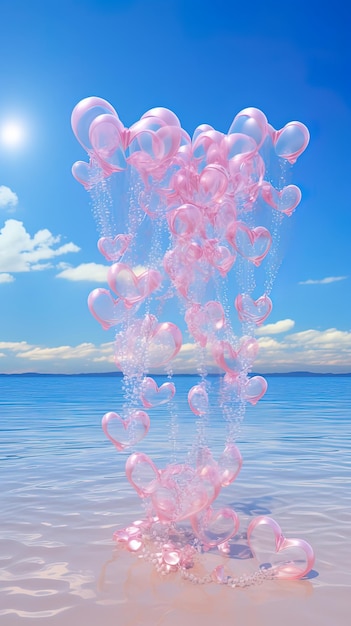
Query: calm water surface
pixel 64 492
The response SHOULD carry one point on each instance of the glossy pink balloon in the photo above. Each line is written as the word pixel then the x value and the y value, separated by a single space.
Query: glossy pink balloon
pixel 205 321
pixel 251 122
pixel 287 567
pixel 254 311
pixel 291 141
pixel 84 114
pixel 125 433
pixel 185 220
pixel 156 343
pixel 254 389
pixel 132 288
pixel 198 399
pixel 284 201
pixel 107 137
pixel 107 311
pixel 142 474
pixel 113 248
pixel 253 244
pixel 215 527
pixel 234 361
pixel 179 494
pixel 219 257
pixel 229 464
pixel 86 174
pixel 152 395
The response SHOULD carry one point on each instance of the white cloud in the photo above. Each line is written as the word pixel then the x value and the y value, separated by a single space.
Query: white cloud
pixel 19 252
pixel 312 350
pixel 15 346
pixel 8 198
pixel 275 329
pixel 323 281
pixel 6 278
pixel 93 272
pixel 83 351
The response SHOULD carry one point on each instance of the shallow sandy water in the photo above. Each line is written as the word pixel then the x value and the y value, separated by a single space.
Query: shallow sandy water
pixel 64 493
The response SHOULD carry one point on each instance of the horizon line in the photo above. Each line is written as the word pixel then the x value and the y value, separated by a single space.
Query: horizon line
pixel 120 374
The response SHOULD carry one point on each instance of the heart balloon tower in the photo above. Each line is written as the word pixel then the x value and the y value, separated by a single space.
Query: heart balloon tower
pixel 191 228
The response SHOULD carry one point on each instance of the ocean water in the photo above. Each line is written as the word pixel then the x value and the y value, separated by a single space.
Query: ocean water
pixel 64 492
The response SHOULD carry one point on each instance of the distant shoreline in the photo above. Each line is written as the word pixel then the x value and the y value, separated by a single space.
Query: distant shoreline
pixel 119 374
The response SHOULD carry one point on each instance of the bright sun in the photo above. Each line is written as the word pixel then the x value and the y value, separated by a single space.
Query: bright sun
pixel 12 134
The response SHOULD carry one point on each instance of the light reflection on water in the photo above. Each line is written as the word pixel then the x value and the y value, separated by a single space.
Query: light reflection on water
pixel 64 492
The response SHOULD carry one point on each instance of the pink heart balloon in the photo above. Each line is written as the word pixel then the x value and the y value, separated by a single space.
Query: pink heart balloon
pixel 107 311
pixel 152 395
pixel 252 244
pixel 251 122
pixel 229 464
pixel 179 494
pixel 198 399
pixel 130 287
pixel 219 257
pixel 285 200
pixel 127 432
pixel 204 321
pixel 106 137
pixel 164 344
pixel 148 343
pixel 84 114
pixel 291 141
pixel 254 389
pixel 286 553
pixel 215 527
pixel 240 148
pixel 213 182
pixel 255 311
pixel 185 220
pixel 142 474
pixel 113 248
pixel 87 174
pixel 209 474
pixel 233 361
pixel 227 357
pixel 164 115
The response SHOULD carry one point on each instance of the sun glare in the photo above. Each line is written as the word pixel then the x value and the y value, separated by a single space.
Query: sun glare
pixel 12 134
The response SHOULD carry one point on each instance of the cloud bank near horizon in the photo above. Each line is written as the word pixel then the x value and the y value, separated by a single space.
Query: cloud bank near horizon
pixel 311 350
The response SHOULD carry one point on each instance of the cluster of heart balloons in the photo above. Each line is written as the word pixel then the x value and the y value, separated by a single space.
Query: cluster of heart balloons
pixel 185 219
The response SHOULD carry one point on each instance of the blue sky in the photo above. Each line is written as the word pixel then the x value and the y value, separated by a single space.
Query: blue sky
pixel 206 61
